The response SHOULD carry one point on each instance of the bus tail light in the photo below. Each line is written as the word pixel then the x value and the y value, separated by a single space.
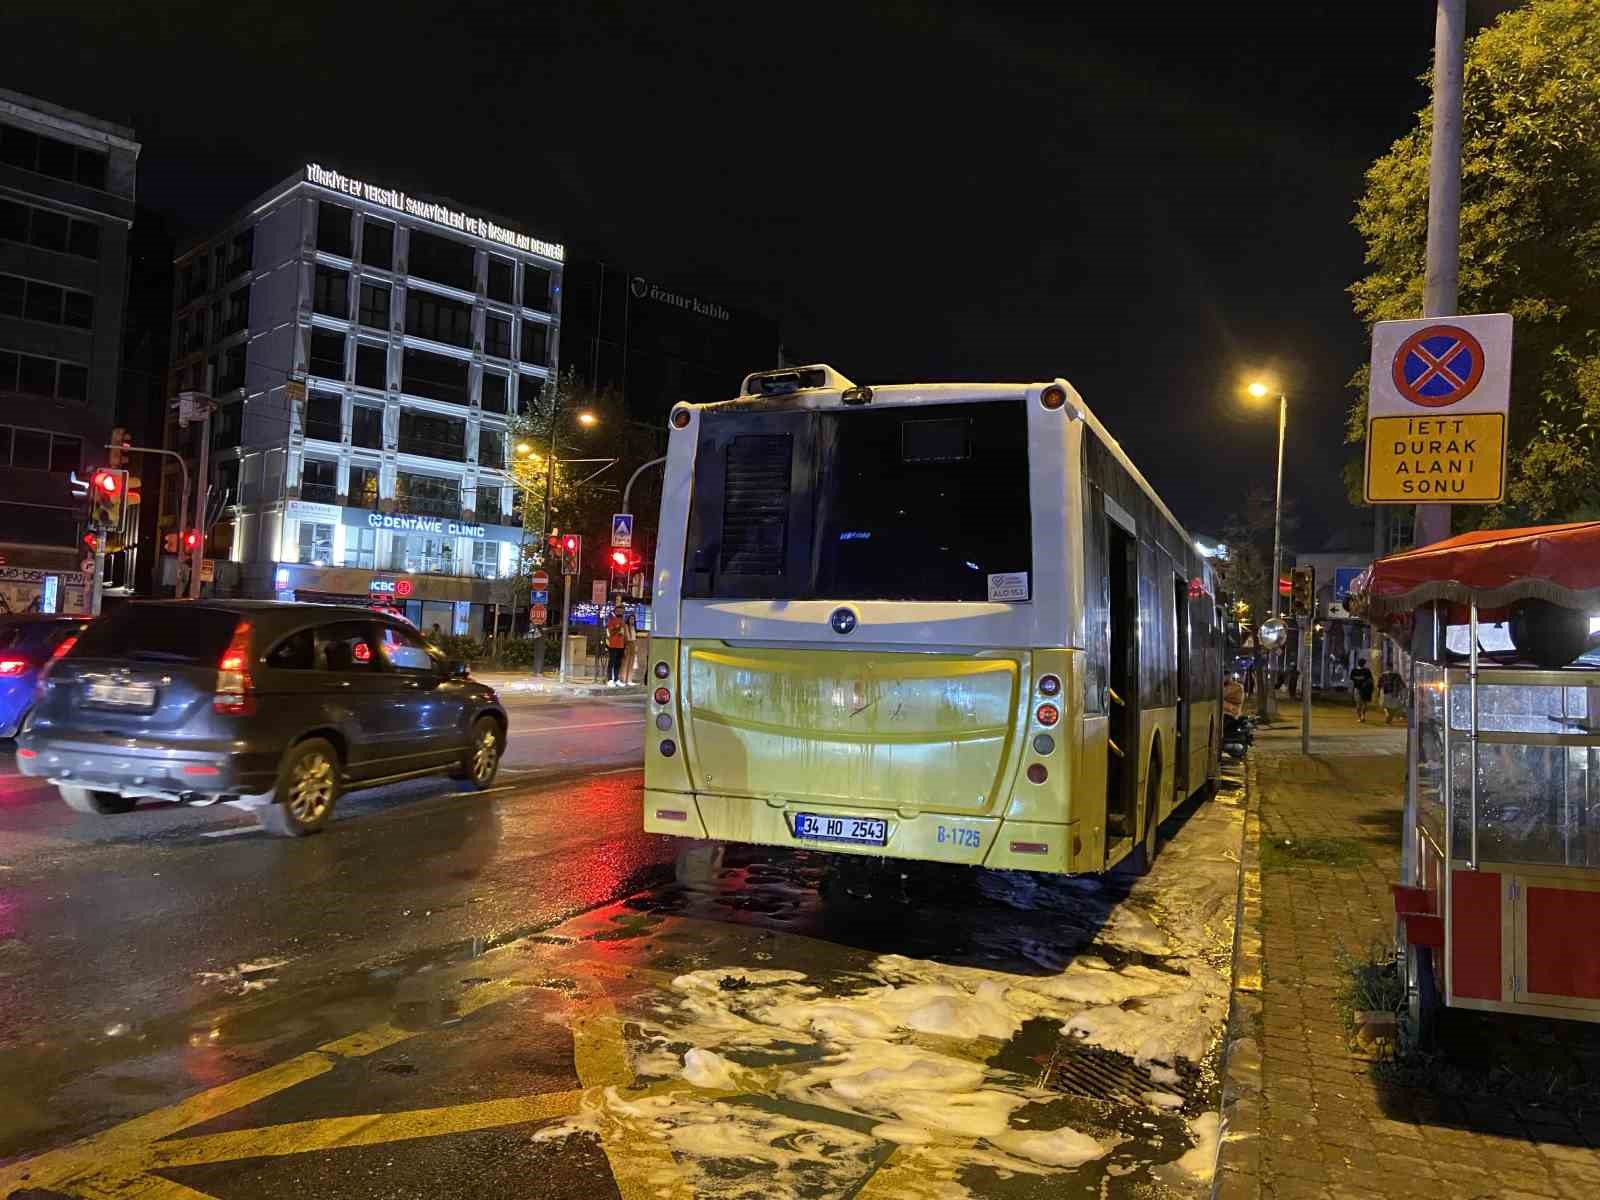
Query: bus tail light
pixel 662 670
pixel 1053 397
pixel 1047 714
pixel 680 418
pixel 668 748
pixel 1050 685
pixel 662 695
pixel 1037 773
pixel 1030 847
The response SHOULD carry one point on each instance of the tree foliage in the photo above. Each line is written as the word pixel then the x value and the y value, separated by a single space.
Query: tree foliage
pixel 1245 574
pixel 1530 243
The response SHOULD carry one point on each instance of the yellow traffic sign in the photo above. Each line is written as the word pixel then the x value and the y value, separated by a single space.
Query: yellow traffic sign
pixel 1445 459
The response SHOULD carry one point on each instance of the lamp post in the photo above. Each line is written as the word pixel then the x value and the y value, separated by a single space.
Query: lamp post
pixel 1260 391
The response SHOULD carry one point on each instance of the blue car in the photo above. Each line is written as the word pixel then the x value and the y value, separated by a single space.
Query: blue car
pixel 27 642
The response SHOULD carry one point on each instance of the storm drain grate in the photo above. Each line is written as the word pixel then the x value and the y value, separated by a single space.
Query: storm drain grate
pixel 1099 1074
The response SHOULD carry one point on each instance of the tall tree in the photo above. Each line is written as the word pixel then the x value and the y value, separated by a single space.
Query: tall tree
pixel 1530 244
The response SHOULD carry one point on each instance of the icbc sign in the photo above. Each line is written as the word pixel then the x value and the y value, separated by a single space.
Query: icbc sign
pixel 390 587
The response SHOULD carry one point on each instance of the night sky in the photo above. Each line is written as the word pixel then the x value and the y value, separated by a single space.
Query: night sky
pixel 1146 199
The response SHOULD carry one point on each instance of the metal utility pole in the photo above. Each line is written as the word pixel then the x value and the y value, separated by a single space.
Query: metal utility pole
pixel 628 491
pixel 196 406
pixel 1308 627
pixel 1439 295
pixel 1269 702
pixel 566 611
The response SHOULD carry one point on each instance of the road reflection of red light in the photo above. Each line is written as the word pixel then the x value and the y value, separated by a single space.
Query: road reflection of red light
pixel 10 907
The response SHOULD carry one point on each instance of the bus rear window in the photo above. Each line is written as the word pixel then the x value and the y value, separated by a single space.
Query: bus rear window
pixel 923 503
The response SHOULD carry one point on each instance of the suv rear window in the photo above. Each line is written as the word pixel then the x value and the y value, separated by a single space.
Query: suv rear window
pixel 168 633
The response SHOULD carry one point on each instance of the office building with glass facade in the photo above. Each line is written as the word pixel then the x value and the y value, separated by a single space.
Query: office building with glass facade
pixel 365 349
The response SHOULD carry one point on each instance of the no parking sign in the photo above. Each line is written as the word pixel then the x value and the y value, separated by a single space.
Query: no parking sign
pixel 1436 416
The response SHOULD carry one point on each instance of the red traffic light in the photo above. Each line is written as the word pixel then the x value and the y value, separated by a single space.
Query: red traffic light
pixel 191 539
pixel 107 482
pixel 620 557
pixel 571 543
pixel 90 540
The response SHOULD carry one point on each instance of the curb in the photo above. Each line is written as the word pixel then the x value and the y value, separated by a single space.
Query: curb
pixel 1238 1171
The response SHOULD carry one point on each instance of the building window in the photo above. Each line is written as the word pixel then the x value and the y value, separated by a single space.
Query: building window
pixel 374 312
pixel 433 436
pixel 361 548
pixel 486 560
pixel 487 506
pixel 492 392
pixel 502 273
pixel 535 337
pixel 437 319
pixel 243 253
pixel 238 312
pixel 66 453
pixel 536 288
pixel 324 417
pixel 529 389
pixel 316 544
pixel 230 376
pixel 330 292
pixel 44 302
pixel 434 376
pixel 228 481
pixel 372 365
pixel 421 553
pixel 226 425
pixel 49 156
pixel 47 377
pixel 319 481
pixel 442 260
pixel 497 336
pixel 363 491
pixel 492 449
pixel 37 450
pixel 327 354
pixel 48 230
pixel 30 449
pixel 377 243
pixel 428 495
pixel 366 427
pixel 333 229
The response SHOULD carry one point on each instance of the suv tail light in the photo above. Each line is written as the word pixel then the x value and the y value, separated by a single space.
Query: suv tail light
pixel 12 666
pixel 235 694
pixel 56 655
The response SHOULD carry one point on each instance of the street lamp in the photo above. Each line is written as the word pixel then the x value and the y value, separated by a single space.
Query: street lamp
pixel 1260 391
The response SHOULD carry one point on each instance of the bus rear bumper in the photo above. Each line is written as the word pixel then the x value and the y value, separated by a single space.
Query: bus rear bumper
pixel 928 837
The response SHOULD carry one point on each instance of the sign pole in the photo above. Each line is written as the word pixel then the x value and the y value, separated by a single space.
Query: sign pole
pixel 1303 653
pixel 1440 283
pixel 97 585
pixel 566 611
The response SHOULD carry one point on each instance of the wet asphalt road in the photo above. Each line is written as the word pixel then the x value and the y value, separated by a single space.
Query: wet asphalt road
pixel 512 966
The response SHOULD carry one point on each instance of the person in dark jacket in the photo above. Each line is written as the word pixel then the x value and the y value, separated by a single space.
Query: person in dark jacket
pixel 1361 688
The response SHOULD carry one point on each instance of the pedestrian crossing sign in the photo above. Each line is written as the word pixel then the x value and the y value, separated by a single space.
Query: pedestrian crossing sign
pixel 621 531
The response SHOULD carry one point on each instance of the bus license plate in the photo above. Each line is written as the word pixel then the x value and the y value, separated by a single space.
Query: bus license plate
pixel 863 831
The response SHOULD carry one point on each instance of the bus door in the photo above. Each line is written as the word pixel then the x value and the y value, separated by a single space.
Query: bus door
pixel 1181 760
pixel 1122 735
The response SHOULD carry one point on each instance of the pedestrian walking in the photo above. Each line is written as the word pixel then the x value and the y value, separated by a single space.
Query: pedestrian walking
pixel 616 643
pixel 630 650
pixel 1361 688
pixel 1391 694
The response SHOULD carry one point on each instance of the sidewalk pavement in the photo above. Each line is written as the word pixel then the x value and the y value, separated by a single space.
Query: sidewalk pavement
pixel 548 686
pixel 1303 1117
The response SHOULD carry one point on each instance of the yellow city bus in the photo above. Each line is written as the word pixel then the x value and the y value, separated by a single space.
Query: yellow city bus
pixel 947 622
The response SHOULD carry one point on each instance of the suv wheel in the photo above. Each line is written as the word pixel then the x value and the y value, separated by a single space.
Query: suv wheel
pixel 308 786
pixel 481 762
pixel 99 803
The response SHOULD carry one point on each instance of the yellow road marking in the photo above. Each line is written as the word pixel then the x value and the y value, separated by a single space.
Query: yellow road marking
pixel 372 1129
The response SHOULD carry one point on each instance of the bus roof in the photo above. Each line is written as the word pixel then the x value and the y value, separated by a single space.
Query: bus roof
pixel 797 388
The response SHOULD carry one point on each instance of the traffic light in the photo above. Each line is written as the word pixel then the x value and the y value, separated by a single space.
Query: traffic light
pixel 117 445
pixel 185 541
pixel 169 543
pixel 1304 581
pixel 108 493
pixel 134 484
pixel 620 560
pixel 91 542
pixel 191 539
pixel 571 554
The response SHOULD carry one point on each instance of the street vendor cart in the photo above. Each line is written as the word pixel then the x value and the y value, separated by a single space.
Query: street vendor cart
pixel 1499 901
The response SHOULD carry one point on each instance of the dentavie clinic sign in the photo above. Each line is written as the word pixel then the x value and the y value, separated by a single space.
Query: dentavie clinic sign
pixel 1436 413
pixel 429 210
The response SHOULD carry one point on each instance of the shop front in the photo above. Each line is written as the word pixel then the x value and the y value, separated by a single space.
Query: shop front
pixel 34 590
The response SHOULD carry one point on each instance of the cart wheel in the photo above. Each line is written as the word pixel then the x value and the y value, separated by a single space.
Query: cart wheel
pixel 1423 997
